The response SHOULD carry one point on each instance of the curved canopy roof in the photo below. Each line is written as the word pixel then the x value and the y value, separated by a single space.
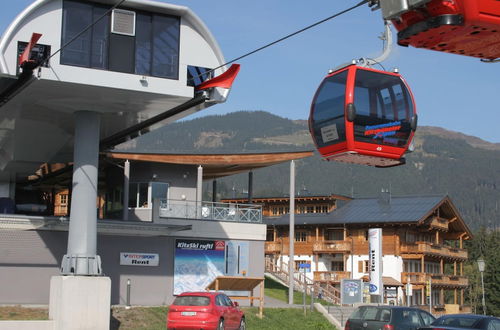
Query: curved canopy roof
pixel 219 165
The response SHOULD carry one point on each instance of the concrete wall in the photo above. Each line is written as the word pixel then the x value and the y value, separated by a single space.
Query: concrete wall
pixel 28 259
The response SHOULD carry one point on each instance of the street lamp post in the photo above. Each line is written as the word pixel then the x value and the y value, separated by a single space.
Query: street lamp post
pixel 481 266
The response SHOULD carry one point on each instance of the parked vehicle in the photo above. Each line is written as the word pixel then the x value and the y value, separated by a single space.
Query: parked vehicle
pixel 464 321
pixel 205 310
pixel 388 318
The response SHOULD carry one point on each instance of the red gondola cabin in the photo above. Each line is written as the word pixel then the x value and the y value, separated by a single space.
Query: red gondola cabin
pixel 465 27
pixel 363 116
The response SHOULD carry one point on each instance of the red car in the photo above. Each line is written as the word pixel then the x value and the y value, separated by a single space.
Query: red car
pixel 205 310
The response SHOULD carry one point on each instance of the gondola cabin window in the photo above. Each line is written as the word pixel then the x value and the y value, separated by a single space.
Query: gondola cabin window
pixel 328 117
pixel 383 109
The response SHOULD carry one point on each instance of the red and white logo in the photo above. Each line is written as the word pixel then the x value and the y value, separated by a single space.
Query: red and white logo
pixel 220 245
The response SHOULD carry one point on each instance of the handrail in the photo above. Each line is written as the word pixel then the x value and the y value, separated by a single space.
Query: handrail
pixel 189 209
pixel 328 292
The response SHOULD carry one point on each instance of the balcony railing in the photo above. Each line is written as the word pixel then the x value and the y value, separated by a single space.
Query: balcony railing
pixel 273 247
pixel 434 249
pixel 210 211
pixel 331 246
pixel 437 279
pixel 331 276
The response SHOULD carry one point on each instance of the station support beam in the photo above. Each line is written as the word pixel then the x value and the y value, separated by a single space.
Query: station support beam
pixel 81 257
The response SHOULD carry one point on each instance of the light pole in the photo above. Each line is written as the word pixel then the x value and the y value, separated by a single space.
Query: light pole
pixel 481 265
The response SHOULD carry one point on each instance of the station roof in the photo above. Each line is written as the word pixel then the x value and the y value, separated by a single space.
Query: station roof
pixel 216 165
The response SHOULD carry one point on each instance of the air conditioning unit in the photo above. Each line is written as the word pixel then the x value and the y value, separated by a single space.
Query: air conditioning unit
pixel 123 22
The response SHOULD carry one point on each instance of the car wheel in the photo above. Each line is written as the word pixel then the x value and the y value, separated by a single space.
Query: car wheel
pixel 220 326
pixel 243 325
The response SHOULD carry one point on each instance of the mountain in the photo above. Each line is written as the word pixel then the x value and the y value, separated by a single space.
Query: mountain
pixel 444 162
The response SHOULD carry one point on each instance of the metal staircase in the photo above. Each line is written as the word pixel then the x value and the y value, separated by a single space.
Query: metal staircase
pixel 302 282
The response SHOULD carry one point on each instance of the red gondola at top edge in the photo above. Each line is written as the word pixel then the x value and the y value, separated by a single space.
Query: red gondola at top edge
pixel 463 27
pixel 363 116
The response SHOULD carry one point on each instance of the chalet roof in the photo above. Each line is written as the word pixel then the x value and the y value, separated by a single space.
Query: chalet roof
pixel 383 211
pixel 398 209
pixel 369 211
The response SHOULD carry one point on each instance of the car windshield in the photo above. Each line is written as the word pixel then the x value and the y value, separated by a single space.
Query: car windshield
pixel 192 301
pixel 372 314
pixel 457 322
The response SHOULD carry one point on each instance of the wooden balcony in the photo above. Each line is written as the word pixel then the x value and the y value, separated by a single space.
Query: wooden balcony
pixel 331 276
pixel 332 246
pixel 441 280
pixel 273 247
pixel 433 250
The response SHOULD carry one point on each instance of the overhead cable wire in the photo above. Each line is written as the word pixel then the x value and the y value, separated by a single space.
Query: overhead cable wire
pixel 286 37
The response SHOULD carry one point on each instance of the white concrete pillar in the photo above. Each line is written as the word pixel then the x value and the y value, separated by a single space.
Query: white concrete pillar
pixel 126 183
pixel 81 257
pixel 199 191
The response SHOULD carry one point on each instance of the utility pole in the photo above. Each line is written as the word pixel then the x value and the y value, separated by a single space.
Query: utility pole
pixel 291 236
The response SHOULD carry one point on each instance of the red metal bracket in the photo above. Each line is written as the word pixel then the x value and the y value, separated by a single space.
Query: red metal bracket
pixel 224 80
pixel 25 56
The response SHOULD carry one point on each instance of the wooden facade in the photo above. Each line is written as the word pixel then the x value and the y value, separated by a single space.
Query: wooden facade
pixel 276 206
pixel 428 249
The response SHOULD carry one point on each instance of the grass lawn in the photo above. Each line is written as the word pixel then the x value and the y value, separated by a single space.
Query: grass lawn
pixel 154 318
pixel 278 291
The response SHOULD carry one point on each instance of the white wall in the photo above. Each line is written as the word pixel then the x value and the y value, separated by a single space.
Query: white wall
pixel 197 47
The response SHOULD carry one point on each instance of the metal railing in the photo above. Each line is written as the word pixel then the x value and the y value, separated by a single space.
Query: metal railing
pixel 184 209
pixel 329 293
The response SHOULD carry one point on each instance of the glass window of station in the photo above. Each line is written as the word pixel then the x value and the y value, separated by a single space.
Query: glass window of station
pixel 123 41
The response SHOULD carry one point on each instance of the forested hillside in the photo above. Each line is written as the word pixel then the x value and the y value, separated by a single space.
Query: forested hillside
pixel 466 168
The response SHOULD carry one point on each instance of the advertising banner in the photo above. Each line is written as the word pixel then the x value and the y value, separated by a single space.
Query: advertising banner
pixel 375 261
pixel 198 262
pixel 351 291
pixel 139 259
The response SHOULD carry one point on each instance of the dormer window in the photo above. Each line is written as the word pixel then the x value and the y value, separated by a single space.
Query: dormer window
pixel 124 41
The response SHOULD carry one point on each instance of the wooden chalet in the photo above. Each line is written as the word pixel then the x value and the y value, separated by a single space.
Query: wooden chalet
pixel 423 240
pixel 305 204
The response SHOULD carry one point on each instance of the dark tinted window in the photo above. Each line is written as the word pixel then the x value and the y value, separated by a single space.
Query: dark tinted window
pixel 411 317
pixel 457 321
pixel 370 313
pixel 192 301
pixel 100 39
pixel 154 50
pixel 143 45
pixel 219 301
pixel 76 17
pixel 427 318
pixel 328 110
pixel 165 46
pixel 383 109
pixel 494 325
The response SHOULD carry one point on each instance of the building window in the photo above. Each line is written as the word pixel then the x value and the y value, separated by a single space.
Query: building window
pixel 412 266
pixel 337 266
pixel 301 236
pixel 64 199
pixel 152 51
pixel 310 209
pixel 334 235
pixel 363 266
pixel 270 236
pixel 142 194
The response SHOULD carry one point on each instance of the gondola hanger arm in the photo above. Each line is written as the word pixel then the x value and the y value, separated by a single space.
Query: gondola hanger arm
pixel 387 38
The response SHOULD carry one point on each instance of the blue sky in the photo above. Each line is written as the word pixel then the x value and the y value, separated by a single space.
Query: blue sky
pixel 454 92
